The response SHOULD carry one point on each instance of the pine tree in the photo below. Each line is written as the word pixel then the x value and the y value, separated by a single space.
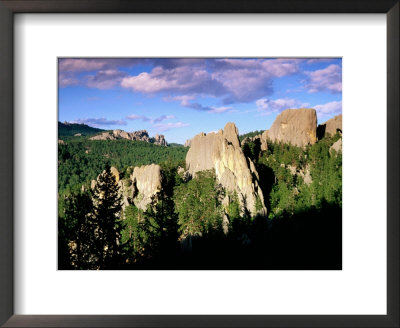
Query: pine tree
pixel 76 229
pixel 107 218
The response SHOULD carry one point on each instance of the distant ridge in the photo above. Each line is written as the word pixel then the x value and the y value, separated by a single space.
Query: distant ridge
pixel 70 129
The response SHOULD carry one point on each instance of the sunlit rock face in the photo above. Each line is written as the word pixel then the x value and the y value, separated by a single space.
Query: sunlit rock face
pixel 330 127
pixel 336 146
pixel 146 184
pixel 221 151
pixel 141 135
pixel 295 126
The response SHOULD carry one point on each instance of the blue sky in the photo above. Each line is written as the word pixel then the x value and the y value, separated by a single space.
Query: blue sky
pixel 185 96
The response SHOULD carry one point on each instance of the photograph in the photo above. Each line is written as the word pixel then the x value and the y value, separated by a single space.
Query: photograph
pixel 199 163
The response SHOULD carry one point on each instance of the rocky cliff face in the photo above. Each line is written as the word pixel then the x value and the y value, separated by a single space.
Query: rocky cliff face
pixel 141 135
pixel 188 143
pixel 146 184
pixel 330 127
pixel 295 126
pixel 221 151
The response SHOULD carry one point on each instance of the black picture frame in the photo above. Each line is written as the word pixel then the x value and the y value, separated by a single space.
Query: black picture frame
pixel 10 7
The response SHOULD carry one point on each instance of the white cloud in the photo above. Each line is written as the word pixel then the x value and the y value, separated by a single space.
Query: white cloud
pixel 326 79
pixel 330 108
pixel 169 126
pixel 269 106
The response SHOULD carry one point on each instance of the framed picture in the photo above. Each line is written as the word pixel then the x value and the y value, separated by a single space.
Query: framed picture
pixel 222 156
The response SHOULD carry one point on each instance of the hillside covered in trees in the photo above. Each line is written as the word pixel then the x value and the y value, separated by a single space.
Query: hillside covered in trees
pixel 265 200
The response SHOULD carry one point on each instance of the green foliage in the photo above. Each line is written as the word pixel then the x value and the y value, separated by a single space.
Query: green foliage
pixel 82 160
pixel 75 231
pixel 252 149
pixel 95 234
pixel 250 134
pixel 106 218
pixel 289 194
pixel 198 204
pixel 233 209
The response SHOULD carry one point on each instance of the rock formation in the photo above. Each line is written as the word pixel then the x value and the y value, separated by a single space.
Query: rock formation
pixel 141 188
pixel 336 146
pixel 330 127
pixel 146 184
pixel 263 138
pixel 141 135
pixel 303 173
pixel 295 126
pixel 160 140
pixel 188 143
pixel 104 136
pixel 221 151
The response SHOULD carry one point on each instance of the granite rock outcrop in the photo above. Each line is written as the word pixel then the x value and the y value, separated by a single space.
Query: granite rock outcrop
pixel 295 126
pixel 222 152
pixel 146 184
pixel 330 127
pixel 141 135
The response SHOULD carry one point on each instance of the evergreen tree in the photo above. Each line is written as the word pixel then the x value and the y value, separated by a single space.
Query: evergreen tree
pixel 75 231
pixel 198 204
pixel 107 218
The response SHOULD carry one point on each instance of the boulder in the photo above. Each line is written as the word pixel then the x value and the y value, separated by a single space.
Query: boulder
pixel 221 151
pixel 295 126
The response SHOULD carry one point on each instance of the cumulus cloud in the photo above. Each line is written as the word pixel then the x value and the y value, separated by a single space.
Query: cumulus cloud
pixel 104 79
pixel 107 73
pixel 236 80
pixel 181 80
pixel 77 65
pixel 184 101
pixel 269 106
pixel 96 122
pixel 326 79
pixel 330 108
pixel 65 80
pixel 168 126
